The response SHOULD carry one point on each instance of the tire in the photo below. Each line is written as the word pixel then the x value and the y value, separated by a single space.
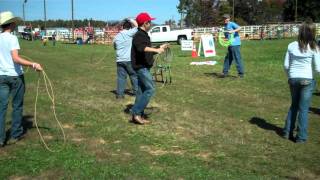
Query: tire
pixel 180 38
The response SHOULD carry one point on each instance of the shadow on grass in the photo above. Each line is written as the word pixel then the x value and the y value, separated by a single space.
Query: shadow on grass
pixel 316 93
pixel 219 75
pixel 315 110
pixel 27 124
pixel 128 108
pixel 148 111
pixel 127 92
pixel 263 124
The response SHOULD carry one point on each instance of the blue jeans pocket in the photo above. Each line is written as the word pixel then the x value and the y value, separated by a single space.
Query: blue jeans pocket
pixel 305 82
pixel 2 79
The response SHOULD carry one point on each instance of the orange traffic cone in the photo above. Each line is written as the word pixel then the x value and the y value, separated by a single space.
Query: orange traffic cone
pixel 194 53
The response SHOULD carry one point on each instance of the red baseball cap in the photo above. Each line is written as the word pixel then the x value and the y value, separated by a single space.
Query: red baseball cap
pixel 143 17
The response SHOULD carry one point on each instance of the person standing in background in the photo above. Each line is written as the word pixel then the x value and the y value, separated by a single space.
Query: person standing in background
pixel 234 49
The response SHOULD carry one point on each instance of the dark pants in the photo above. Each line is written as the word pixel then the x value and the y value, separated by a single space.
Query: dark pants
pixel 146 89
pixel 233 54
pixel 14 86
pixel 301 92
pixel 124 69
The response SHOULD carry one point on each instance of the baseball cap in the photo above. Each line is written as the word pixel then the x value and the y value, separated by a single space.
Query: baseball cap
pixel 143 17
pixel 226 16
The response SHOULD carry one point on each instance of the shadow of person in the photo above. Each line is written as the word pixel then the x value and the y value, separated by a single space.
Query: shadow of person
pixel 219 75
pixel 263 124
pixel 314 110
pixel 126 91
pixel 316 93
pixel 27 123
pixel 148 111
pixel 128 108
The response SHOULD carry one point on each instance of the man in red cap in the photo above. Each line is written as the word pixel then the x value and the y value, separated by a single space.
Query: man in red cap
pixel 142 60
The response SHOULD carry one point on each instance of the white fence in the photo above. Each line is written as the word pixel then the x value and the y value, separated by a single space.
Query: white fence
pixel 270 31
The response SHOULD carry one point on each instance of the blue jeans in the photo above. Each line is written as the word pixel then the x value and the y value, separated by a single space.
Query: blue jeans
pixel 124 69
pixel 146 90
pixel 301 92
pixel 14 86
pixel 233 54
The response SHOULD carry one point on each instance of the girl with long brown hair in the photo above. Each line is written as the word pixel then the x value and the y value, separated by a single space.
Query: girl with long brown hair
pixel 300 58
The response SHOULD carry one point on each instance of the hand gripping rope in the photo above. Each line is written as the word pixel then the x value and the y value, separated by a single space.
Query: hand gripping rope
pixel 50 93
pixel 223 42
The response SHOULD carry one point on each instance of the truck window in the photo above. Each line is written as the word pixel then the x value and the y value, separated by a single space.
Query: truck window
pixel 164 29
pixel 155 30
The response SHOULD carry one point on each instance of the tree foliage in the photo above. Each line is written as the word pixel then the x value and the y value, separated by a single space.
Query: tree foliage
pixel 209 12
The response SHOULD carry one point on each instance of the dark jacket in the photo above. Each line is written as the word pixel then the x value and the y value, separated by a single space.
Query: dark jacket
pixel 139 58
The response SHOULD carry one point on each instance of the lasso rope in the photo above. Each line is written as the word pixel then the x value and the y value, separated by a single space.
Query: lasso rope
pixel 99 60
pixel 50 93
pixel 163 66
pixel 223 42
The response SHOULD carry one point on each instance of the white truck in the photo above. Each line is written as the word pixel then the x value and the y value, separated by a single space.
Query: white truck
pixel 165 34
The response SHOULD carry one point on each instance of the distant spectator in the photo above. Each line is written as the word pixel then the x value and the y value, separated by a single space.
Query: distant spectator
pixel 43 37
pixel 54 38
pixel 262 33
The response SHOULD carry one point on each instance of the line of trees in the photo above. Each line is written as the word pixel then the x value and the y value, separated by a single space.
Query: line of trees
pixel 247 12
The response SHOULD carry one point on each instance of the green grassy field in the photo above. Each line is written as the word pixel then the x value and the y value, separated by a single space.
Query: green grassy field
pixel 203 127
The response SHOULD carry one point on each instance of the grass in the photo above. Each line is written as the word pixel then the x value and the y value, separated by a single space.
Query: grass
pixel 203 127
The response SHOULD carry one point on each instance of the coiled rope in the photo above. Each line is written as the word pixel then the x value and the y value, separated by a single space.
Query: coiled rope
pixel 50 93
pixel 163 66
pixel 223 42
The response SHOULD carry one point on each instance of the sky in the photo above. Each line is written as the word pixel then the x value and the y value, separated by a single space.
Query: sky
pixel 104 10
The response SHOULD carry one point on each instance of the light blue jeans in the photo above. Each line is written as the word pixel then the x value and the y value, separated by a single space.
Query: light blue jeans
pixel 146 90
pixel 301 92
pixel 14 86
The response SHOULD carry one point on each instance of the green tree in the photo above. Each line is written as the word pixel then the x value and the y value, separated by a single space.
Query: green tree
pixel 306 9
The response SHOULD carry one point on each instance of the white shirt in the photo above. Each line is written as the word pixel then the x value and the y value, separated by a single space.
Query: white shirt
pixel 8 43
pixel 298 64
pixel 122 44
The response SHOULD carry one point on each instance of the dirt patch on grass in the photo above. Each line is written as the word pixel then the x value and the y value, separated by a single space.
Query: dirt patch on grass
pixel 204 155
pixel 304 174
pixel 19 178
pixel 68 126
pixel 155 151
pixel 49 174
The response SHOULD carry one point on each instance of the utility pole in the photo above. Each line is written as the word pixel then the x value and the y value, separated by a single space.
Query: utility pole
pixel 72 24
pixel 182 16
pixel 180 19
pixel 296 12
pixel 233 10
pixel 45 16
pixel 23 12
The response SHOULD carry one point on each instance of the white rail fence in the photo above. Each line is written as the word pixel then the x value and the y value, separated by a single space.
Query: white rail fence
pixel 270 31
